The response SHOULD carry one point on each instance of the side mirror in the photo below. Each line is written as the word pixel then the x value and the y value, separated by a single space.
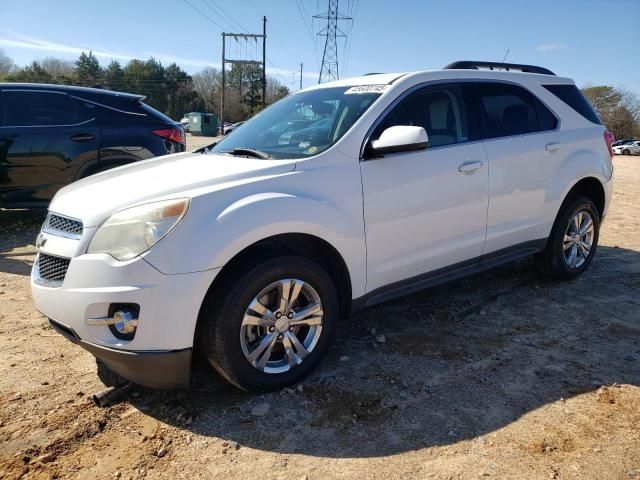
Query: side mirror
pixel 401 138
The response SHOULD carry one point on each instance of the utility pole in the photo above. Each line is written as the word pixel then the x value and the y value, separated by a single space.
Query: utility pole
pixel 246 37
pixel 222 88
pixel 300 76
pixel 264 61
pixel 329 69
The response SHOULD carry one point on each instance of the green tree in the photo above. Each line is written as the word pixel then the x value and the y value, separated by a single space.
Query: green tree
pixel 87 71
pixel 113 76
pixel 253 94
pixel 181 96
pixel 32 73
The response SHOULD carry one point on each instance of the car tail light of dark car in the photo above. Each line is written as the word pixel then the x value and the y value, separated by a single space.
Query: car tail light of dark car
pixel 173 134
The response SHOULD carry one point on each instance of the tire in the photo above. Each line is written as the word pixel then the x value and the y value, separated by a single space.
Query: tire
pixel 231 345
pixel 626 152
pixel 557 260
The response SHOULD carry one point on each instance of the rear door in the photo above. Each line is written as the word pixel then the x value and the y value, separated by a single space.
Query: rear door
pixel 523 148
pixel 45 138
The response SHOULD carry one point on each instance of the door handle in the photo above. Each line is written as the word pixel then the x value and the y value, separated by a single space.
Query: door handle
pixel 82 137
pixel 552 147
pixel 469 167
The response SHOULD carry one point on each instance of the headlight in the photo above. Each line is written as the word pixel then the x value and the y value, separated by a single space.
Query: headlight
pixel 128 233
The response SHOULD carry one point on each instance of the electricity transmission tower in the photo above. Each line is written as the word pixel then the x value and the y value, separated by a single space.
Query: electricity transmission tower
pixel 329 68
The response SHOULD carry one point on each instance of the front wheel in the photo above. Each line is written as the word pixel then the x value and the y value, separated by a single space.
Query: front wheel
pixel 271 325
pixel 626 152
pixel 573 240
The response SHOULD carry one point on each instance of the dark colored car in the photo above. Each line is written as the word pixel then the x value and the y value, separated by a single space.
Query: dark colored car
pixel 52 135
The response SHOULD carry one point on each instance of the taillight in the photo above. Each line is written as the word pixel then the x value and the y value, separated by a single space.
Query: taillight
pixel 609 139
pixel 173 134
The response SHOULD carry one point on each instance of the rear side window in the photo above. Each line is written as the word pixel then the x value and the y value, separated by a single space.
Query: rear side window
pixel 572 96
pixel 40 109
pixel 512 110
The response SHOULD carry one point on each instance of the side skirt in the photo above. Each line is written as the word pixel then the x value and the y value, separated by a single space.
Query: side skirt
pixel 447 274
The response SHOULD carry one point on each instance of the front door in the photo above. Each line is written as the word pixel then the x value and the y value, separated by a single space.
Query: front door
pixel 426 210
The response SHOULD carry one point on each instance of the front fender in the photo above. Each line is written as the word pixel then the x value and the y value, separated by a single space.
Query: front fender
pixel 210 239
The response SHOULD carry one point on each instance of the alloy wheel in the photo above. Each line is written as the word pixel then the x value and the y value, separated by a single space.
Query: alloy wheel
pixel 281 326
pixel 578 239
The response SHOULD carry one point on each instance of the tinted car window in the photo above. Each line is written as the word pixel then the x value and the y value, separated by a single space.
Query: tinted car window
pixel 511 110
pixel 439 109
pixel 40 108
pixel 570 95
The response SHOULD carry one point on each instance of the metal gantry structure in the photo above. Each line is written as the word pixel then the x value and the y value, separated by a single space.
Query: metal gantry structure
pixel 245 61
pixel 329 68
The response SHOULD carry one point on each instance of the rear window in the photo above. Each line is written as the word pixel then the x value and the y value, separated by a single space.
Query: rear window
pixel 152 112
pixel 572 96
pixel 512 110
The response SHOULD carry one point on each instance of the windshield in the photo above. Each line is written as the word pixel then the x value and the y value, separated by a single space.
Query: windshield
pixel 300 125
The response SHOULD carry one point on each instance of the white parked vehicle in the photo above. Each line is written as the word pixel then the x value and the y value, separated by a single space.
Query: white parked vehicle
pixel 632 148
pixel 230 128
pixel 255 250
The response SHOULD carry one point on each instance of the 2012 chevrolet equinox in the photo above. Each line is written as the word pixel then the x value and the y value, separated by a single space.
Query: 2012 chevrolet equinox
pixel 337 197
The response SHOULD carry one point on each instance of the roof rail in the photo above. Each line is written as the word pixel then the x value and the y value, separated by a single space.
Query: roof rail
pixel 472 64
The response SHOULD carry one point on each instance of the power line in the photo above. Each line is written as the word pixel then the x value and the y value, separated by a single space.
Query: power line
pixel 204 15
pixel 352 13
pixel 224 15
pixel 309 31
pixel 273 32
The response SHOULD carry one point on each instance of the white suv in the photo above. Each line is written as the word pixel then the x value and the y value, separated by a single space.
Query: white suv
pixel 338 197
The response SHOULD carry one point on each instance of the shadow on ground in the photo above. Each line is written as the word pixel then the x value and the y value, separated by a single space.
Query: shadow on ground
pixel 458 361
pixel 18 232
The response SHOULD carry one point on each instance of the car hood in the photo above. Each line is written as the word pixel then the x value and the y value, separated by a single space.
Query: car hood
pixel 95 198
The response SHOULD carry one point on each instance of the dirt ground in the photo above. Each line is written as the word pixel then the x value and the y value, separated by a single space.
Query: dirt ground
pixel 501 375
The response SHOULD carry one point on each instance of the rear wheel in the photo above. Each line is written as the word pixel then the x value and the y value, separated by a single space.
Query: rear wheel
pixel 626 152
pixel 573 239
pixel 271 325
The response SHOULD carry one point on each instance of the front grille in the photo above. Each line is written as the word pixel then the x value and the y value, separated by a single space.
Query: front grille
pixel 57 223
pixel 52 269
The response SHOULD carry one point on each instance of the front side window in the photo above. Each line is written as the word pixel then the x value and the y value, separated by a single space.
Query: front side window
pixel 21 109
pixel 512 110
pixel 439 109
pixel 302 124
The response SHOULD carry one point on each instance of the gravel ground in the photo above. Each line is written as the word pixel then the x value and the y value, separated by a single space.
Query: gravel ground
pixel 501 375
pixel 194 142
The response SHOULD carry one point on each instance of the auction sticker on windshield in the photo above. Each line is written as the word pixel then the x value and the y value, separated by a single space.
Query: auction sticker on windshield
pixel 366 89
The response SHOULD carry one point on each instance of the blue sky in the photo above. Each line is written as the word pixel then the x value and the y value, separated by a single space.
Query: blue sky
pixel 583 39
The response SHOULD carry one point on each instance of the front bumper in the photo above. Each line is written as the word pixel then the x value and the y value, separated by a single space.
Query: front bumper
pixel 155 369
pixel 159 354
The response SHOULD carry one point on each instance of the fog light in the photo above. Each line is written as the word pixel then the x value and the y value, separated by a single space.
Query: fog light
pixel 124 322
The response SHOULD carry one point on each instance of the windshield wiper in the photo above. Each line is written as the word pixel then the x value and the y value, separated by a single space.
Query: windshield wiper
pixel 251 152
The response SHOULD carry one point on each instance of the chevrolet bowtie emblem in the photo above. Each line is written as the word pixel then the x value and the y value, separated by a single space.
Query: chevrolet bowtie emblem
pixel 40 241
